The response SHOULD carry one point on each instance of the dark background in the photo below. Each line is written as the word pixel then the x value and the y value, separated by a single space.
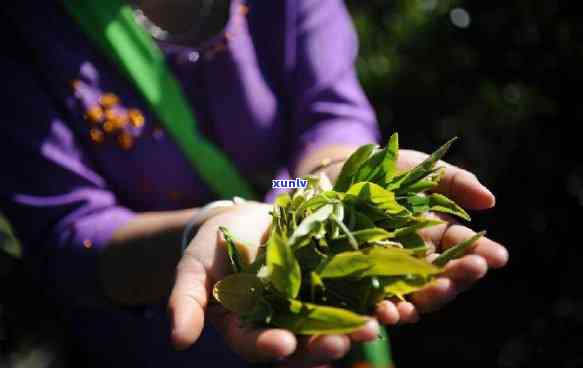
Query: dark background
pixel 490 72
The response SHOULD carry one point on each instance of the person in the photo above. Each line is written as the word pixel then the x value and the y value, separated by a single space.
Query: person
pixel 100 194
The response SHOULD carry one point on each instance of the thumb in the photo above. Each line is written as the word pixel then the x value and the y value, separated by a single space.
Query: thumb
pixel 188 302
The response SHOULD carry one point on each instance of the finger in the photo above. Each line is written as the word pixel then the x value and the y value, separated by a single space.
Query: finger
pixel 317 350
pixel 434 296
pixel 466 271
pixel 460 185
pixel 368 332
pixel 458 276
pixel 387 312
pixel 253 345
pixel 187 302
pixel 465 189
pixel 494 253
pixel 407 313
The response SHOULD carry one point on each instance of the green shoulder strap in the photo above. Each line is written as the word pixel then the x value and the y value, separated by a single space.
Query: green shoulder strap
pixel 110 24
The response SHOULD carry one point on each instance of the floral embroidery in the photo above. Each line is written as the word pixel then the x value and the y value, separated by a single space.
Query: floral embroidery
pixel 109 120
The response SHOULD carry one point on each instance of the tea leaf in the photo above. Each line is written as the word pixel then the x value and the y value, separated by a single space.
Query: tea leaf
pixel 257 263
pixel 312 319
pixel 310 224
pixel 382 198
pixel 440 203
pixel 362 221
pixel 417 203
pixel 284 270
pixel 401 286
pixel 347 233
pixel 423 169
pixel 411 241
pixel 376 261
pixel 283 201
pixel 297 200
pixel 237 262
pixel 457 250
pixel 371 235
pixel 261 314
pixel 280 214
pixel 372 168
pixel 430 182
pixel 351 166
pixel 417 223
pixel 316 285
pixel 309 258
pixel 239 292
pixel 370 213
pixel 316 202
pixel 391 157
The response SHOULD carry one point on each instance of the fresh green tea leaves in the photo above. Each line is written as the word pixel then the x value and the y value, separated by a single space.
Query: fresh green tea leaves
pixel 311 224
pixel 371 235
pixel 378 196
pixel 335 251
pixel 239 292
pixel 401 286
pixel 391 157
pixel 284 270
pixel 440 203
pixel 237 262
pixel 457 250
pixel 261 314
pixel 375 261
pixel 346 176
pixel 422 170
pixel 311 319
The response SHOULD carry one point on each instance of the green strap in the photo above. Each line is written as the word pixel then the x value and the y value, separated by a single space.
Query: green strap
pixel 372 354
pixel 111 25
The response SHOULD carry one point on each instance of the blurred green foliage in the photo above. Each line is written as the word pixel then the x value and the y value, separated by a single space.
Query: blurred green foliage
pixel 503 76
pixel 8 243
pixel 438 68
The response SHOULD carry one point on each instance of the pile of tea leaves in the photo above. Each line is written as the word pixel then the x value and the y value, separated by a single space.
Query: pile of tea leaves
pixel 333 252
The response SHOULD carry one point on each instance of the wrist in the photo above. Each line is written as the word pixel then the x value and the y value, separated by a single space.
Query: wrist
pixel 328 159
pixel 204 214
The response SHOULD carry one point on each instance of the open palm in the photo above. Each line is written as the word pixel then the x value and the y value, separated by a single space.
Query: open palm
pixel 205 262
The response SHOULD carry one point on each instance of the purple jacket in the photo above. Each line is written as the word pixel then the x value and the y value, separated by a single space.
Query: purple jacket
pixel 283 85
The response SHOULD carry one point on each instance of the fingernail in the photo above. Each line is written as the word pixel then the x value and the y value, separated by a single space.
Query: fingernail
pixel 442 283
pixel 369 331
pixel 488 191
pixel 373 324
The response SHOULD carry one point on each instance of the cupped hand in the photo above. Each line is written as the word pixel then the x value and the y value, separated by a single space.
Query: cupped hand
pixel 205 262
pixel 464 188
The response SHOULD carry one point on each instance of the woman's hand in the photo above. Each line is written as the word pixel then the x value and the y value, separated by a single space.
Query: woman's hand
pixel 205 262
pixel 465 189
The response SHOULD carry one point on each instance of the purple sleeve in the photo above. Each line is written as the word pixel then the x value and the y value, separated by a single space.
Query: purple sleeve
pixel 329 105
pixel 60 207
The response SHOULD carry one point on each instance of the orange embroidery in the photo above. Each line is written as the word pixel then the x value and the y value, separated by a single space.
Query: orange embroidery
pixel 111 119
pixel 94 114
pixel 136 118
pixel 108 100
pixel 125 140
pixel 96 135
